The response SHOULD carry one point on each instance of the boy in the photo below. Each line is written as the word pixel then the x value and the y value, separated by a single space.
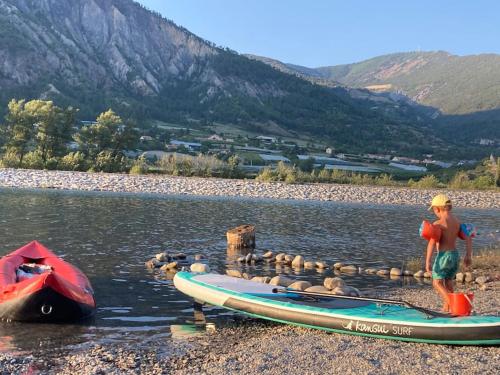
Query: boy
pixel 445 265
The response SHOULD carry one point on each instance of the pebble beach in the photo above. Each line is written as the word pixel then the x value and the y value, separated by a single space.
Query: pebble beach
pixel 159 184
pixel 250 346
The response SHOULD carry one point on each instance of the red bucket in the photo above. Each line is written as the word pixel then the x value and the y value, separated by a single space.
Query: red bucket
pixel 461 303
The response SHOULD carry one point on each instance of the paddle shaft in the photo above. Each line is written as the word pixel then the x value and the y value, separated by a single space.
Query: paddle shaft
pixel 377 300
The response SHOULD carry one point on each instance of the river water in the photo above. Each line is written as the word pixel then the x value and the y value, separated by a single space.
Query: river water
pixel 110 236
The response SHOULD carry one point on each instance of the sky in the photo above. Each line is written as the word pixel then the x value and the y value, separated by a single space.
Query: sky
pixel 317 33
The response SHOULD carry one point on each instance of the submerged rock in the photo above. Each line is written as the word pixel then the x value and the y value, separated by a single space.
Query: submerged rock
pixel 396 272
pixel 317 289
pixel 280 258
pixel 419 274
pixel 338 265
pixel 300 285
pixel 268 255
pixel 281 281
pixel 162 257
pixel 261 279
pixel 234 273
pixel 382 272
pixel 321 265
pixel 333 282
pixel 309 265
pixel 169 266
pixel 349 269
pixel 200 268
pixel 288 259
pixel 154 263
pixel 298 261
pixel 371 271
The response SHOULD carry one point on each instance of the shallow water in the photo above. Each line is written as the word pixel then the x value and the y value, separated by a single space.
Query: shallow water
pixel 110 236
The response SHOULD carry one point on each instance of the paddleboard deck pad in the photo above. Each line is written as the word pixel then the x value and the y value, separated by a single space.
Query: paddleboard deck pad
pixel 355 317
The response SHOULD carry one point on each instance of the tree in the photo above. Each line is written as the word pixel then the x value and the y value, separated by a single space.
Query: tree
pixel 53 127
pixel 19 129
pixel 108 134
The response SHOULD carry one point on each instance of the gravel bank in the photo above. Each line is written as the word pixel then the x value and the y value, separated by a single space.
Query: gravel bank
pixel 250 346
pixel 237 188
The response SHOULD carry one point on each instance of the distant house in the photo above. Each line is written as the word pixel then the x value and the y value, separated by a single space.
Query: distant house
pixel 273 159
pixel 146 138
pixel 266 140
pixel 193 146
pixel 215 137
pixel 88 123
pixel 408 167
pixel 322 159
pixel 330 151
pixel 486 142
pixel 154 155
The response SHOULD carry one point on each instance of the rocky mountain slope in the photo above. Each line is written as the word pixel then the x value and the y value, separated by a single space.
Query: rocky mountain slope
pixel 95 54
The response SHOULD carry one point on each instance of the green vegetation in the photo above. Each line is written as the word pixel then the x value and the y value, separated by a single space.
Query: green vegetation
pixel 482 177
pixel 199 166
pixel 37 134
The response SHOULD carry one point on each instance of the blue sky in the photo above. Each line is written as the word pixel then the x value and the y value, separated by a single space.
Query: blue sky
pixel 329 32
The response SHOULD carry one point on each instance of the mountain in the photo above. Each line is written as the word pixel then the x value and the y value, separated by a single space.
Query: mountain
pixel 454 84
pixel 462 93
pixel 95 54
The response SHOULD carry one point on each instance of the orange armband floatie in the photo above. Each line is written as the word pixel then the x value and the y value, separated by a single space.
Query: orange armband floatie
pixel 466 231
pixel 430 231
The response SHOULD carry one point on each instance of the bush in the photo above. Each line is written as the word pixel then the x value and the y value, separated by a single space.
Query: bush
pixel 385 180
pixel 140 166
pixel 201 166
pixel 109 163
pixel 33 160
pixel 74 161
pixel 460 181
pixel 10 160
pixel 484 182
pixel 426 182
pixel 266 175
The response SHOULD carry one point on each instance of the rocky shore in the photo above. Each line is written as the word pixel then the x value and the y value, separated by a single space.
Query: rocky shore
pixel 252 346
pixel 159 184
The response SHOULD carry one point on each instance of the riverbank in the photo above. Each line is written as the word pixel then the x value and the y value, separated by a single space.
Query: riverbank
pixel 160 184
pixel 252 346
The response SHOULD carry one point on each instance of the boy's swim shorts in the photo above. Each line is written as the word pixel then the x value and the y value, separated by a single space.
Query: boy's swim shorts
pixel 445 265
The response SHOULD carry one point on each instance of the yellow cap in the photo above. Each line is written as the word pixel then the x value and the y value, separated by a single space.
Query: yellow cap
pixel 440 200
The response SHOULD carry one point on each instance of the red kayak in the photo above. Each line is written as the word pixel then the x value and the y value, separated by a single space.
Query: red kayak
pixel 38 286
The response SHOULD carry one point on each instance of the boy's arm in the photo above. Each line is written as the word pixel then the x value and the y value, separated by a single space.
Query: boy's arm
pixel 468 252
pixel 430 249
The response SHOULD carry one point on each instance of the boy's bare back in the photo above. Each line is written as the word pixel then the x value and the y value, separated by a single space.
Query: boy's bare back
pixel 450 227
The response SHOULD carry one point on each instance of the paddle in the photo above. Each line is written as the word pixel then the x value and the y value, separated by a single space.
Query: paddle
pixel 428 313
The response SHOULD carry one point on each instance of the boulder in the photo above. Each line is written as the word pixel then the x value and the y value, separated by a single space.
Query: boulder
pixel 234 273
pixel 256 258
pixel 169 266
pixel 309 265
pixel 321 265
pixel 481 280
pixel 300 285
pixel 268 255
pixel 200 268
pixel 338 265
pixel 248 258
pixel 333 282
pixel 317 289
pixel 242 259
pixel 419 274
pixel 469 277
pixel 180 256
pixel 382 272
pixel 371 271
pixel 261 279
pixel 161 257
pixel 407 273
pixel 339 291
pixel 281 281
pixel 428 275
pixel 460 277
pixel 353 292
pixel 288 259
pixel 298 261
pixel 280 258
pixel 349 269
pixel 396 272
pixel 246 276
pixel 199 257
pixel 153 263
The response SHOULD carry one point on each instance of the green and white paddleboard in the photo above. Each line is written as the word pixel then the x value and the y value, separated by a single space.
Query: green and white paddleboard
pixel 355 317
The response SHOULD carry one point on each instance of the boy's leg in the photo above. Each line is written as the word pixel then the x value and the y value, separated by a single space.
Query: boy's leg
pixel 449 285
pixel 440 286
